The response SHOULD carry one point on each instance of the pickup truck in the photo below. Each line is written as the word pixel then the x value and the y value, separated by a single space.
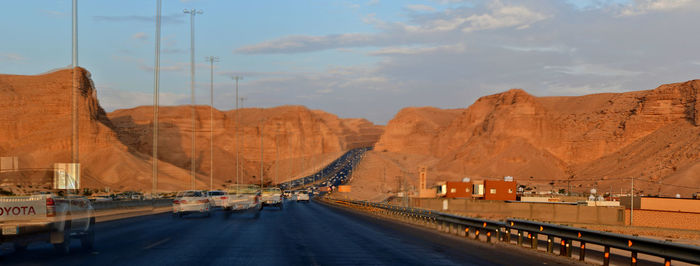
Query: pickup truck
pixel 241 198
pixel 272 196
pixel 47 218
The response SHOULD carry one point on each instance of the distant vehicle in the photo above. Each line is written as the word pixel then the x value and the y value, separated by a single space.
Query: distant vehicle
pixel 272 196
pixel 191 201
pixel 100 198
pixel 287 194
pixel 217 198
pixel 47 218
pixel 242 197
pixel 302 195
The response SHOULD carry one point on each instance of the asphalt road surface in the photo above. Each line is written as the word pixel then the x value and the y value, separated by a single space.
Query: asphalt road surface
pixel 300 234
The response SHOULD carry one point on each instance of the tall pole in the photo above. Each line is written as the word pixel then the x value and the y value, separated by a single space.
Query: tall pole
pixel 277 152
pixel 156 85
pixel 632 203
pixel 74 91
pixel 211 60
pixel 236 126
pixel 192 13
pixel 242 99
pixel 262 148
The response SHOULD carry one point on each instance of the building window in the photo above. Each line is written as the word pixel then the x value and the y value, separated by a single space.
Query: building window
pixel 453 190
pixel 493 191
pixel 466 190
pixel 510 191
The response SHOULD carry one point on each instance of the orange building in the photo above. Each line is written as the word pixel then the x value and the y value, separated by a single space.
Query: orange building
pixel 452 189
pixel 499 190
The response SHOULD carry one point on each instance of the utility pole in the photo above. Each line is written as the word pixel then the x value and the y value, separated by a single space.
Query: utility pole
pixel 277 152
pixel 236 78
pixel 262 148
pixel 211 60
pixel 242 99
pixel 75 145
pixel 156 85
pixel 632 203
pixel 192 13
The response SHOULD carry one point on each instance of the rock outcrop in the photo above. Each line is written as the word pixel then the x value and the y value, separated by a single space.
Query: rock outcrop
pixel 650 135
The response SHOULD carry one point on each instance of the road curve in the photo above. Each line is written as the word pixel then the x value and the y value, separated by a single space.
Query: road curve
pixel 300 234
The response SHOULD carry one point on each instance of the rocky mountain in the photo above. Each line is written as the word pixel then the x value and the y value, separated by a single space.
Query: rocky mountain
pixel 593 140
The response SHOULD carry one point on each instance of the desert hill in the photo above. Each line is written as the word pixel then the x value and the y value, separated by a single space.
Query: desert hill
pixel 592 140
pixel 295 139
pixel 116 148
pixel 36 128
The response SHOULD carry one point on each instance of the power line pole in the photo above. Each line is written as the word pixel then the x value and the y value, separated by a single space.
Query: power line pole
pixel 277 152
pixel 211 60
pixel 632 203
pixel 262 148
pixel 237 78
pixel 192 13
pixel 156 85
pixel 242 99
pixel 75 145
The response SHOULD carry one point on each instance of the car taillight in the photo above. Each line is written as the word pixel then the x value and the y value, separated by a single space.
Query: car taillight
pixel 50 207
pixel 183 201
pixel 223 198
pixel 176 202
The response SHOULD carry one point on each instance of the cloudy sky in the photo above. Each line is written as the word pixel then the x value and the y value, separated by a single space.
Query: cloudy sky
pixel 361 58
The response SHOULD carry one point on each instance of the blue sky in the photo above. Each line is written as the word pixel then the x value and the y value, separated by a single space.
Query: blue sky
pixel 361 58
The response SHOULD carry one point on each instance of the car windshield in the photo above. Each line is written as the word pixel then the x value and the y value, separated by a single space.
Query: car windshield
pixel 216 193
pixel 243 189
pixel 271 191
pixel 192 194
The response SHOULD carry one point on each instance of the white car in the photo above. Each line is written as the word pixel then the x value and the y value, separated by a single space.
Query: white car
pixel 272 196
pixel 302 196
pixel 191 201
pixel 217 198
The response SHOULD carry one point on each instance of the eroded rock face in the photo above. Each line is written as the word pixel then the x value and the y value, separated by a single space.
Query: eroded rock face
pixel 294 136
pixel 514 133
pixel 36 128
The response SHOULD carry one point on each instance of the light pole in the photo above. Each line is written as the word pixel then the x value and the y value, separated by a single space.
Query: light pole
pixel 236 78
pixel 242 99
pixel 211 60
pixel 192 13
pixel 74 92
pixel 156 85
pixel 262 148
pixel 277 151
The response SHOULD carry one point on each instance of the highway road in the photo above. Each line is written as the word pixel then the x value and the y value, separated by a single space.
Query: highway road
pixel 300 234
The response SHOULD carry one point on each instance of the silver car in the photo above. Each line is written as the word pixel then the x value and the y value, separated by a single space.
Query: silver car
pixel 191 201
pixel 217 198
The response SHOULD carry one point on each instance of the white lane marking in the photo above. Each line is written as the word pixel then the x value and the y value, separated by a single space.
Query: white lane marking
pixel 157 243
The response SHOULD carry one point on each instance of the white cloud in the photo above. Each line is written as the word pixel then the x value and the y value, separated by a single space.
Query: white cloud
pixel 503 16
pixel 593 69
pixel 112 99
pixel 420 8
pixel 401 50
pixel 639 7
pixel 11 57
pixel 142 36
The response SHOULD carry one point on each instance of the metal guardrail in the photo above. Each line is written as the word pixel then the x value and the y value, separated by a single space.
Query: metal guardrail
pixel 502 230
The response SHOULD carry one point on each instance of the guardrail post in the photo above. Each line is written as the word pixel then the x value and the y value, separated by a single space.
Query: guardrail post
pixel 582 252
pixel 498 234
pixel 568 248
pixel 550 244
pixel 533 241
pixel 606 256
pixel 467 231
pixel 476 234
pixel 633 259
pixel 667 262
pixel 562 247
pixel 507 235
pixel 488 236
pixel 520 237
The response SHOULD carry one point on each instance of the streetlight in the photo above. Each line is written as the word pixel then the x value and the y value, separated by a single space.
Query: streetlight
pixel 236 78
pixel 192 13
pixel 242 137
pixel 211 60
pixel 156 85
pixel 74 93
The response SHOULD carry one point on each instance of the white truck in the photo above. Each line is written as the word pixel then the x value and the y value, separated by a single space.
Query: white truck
pixel 242 198
pixel 47 218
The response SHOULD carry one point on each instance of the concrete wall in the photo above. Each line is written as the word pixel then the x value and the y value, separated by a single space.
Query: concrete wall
pixel 670 204
pixel 558 213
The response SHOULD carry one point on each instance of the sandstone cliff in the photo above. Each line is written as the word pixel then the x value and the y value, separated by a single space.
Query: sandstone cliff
pixel 594 140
